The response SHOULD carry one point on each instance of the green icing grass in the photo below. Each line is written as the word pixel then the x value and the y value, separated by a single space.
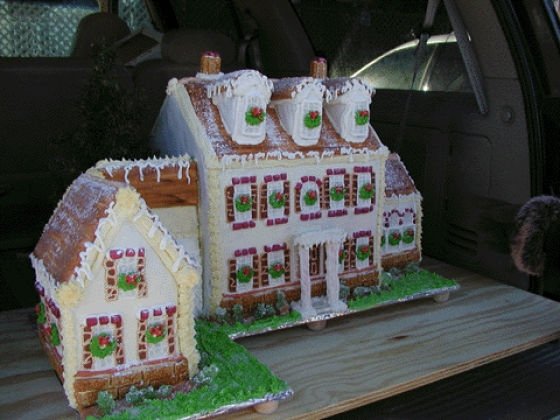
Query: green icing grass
pixel 405 286
pixel 264 324
pixel 241 377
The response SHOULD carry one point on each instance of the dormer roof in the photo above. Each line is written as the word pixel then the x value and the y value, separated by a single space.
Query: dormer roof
pixel 289 87
pixel 238 83
pixel 342 85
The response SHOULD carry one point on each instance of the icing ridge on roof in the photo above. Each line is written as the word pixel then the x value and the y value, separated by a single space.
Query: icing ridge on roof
pixel 229 83
pixel 289 87
pixel 181 163
pixel 341 85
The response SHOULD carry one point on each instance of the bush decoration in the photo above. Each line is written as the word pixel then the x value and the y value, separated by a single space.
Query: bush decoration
pixel 129 281
pixel 255 116
pixel 243 203
pixel 40 312
pixel 102 345
pixel 312 119
pixel 155 333
pixel 244 274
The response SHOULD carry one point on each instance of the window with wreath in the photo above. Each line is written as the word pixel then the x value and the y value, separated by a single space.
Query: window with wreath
pixel 360 115
pixel 102 340
pixel 363 189
pixel 275 264
pixel 336 192
pixel 125 273
pixel 312 119
pixel 241 202
pixel 255 116
pixel 275 199
pixel 362 249
pixel 308 198
pixel 156 332
pixel 244 271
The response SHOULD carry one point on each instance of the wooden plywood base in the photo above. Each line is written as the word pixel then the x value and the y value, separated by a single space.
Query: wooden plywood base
pixel 356 360
pixel 371 356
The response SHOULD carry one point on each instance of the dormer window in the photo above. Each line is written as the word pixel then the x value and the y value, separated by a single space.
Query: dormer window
pixel 255 117
pixel 311 122
pixel 361 119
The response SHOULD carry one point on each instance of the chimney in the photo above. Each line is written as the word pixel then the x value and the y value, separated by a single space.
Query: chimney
pixel 210 63
pixel 318 68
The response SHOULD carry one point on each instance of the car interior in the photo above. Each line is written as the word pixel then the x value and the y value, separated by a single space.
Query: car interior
pixel 468 93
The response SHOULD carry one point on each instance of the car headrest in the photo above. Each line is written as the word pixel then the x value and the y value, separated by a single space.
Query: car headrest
pixel 98 29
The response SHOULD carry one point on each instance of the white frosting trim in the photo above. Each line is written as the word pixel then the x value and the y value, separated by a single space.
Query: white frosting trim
pixel 158 164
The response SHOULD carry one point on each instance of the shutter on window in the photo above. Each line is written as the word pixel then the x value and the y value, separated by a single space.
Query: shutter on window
pixel 373 184
pixel 254 197
pixel 232 276
pixel 346 190
pixel 87 356
pixel 119 354
pixel 264 201
pixel 325 195
pixel 256 270
pixel 286 263
pixel 230 214
pixel 297 204
pixel 352 253
pixel 287 196
pixel 347 247
pixel 354 190
pixel 371 250
pixel 264 269
pixel 142 345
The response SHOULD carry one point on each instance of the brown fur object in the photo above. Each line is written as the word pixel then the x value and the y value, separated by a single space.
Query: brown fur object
pixel 536 244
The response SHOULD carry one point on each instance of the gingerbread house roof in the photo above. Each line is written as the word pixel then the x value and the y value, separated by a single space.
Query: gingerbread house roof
pixel 341 85
pixel 277 143
pixel 289 87
pixel 397 179
pixel 74 223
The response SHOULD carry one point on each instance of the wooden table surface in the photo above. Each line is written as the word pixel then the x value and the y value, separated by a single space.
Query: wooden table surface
pixel 356 360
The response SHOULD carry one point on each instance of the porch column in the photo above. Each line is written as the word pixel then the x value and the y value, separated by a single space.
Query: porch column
pixel 306 305
pixel 333 283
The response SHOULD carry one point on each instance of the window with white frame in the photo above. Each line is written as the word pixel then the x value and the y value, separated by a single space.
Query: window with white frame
pixel 102 342
pixel 241 202
pixel 125 273
pixel 244 271
pixel 312 119
pixel 156 332
pixel 360 115
pixel 255 116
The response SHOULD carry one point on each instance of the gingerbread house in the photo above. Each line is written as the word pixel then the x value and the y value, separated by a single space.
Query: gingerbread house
pixel 117 293
pixel 303 209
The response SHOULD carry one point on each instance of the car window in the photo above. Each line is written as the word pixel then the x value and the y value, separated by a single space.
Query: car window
pixel 369 39
pixel 448 73
pixel 396 69
pixel 32 28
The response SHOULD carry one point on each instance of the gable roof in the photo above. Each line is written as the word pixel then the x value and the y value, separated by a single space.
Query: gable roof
pixel 397 179
pixel 74 223
pixel 78 227
pixel 277 143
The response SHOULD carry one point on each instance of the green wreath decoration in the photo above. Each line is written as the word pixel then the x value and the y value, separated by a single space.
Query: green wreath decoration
pixel 243 203
pixel 155 333
pixel 362 117
pixel 244 274
pixel 394 238
pixel 312 119
pixel 277 200
pixel 102 345
pixel 366 191
pixel 54 336
pixel 41 313
pixel 408 236
pixel 310 197
pixel 342 254
pixel 382 240
pixel 363 252
pixel 276 270
pixel 129 281
pixel 337 193
pixel 255 115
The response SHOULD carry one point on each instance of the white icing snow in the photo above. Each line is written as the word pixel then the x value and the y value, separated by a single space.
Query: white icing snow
pixel 158 164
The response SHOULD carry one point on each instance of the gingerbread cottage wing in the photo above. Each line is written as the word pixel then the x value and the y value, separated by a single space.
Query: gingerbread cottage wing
pixel 116 293
pixel 402 214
